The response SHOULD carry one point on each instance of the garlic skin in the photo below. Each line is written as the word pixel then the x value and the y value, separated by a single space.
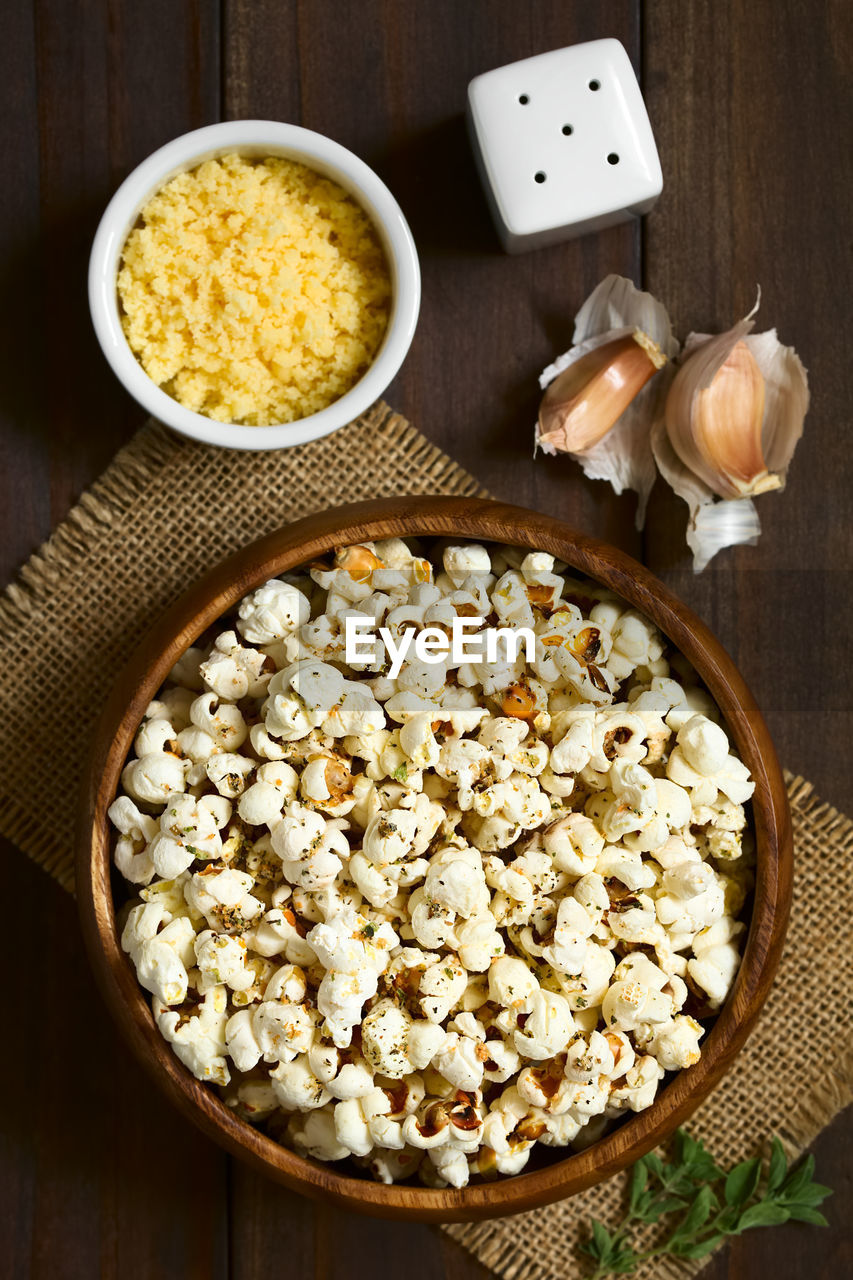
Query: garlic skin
pixel 720 440
pixel 584 401
pixel 733 416
pixel 712 525
pixel 623 455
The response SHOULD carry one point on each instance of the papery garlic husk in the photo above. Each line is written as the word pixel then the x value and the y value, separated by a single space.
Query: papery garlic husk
pixel 613 312
pixel 733 416
pixel 712 525
pixel 584 401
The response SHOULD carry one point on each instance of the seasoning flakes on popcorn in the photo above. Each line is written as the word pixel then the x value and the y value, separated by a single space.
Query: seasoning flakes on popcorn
pixel 429 919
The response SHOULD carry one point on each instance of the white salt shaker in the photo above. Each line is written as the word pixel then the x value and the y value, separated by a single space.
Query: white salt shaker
pixel 563 144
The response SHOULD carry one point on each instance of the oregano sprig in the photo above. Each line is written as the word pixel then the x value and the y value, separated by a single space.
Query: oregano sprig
pixel 703 1204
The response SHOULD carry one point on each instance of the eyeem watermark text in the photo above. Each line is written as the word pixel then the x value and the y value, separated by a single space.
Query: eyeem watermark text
pixel 433 645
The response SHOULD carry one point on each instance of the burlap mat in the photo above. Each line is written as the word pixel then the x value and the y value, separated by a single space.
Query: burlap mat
pixel 166 510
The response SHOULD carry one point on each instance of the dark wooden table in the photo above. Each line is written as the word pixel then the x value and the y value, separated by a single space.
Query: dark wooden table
pixel 751 110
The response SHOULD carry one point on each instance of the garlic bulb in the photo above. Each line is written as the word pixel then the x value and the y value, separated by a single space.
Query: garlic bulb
pixel 585 400
pixel 733 416
pixel 601 396
pixel 721 428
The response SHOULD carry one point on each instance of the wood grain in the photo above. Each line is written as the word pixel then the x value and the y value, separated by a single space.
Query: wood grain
pixel 755 193
pixel 749 104
pixel 301 543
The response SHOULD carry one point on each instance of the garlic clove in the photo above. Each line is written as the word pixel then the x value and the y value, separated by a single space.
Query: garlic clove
pixel 623 456
pixel 584 401
pixel 727 420
pixel 715 413
pixel 735 410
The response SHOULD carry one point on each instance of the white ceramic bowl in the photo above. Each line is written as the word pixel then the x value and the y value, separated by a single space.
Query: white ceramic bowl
pixel 255 138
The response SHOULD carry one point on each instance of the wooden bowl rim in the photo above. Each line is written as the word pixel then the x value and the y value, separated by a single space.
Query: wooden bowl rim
pixel 431 516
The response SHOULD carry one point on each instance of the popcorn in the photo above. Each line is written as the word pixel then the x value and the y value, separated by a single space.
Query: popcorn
pixel 638 1089
pixel 548 1027
pixel 310 847
pixel 716 959
pixel 442 986
pixel 161 949
pixel 272 612
pixel 222 959
pixel 154 735
pixel 136 830
pixel 221 720
pixel 574 844
pixel 353 1128
pixel 455 880
pixel 199 1041
pixel 223 897
pixel 328 784
pixel 315 1135
pixel 231 671
pixel 296 1087
pixel 384 1034
pixel 675 1044
pixel 572 932
pixel 460 562
pixel 254 1100
pixel 261 804
pixel 354 953
pixel 460 1060
pixel 375 896
pixel 693 896
pixel 702 762
pixel 353 1079
pixel 241 1041
pixel 188 831
pixel 153 777
pixel 512 985
pixel 479 941
pixel 282 1030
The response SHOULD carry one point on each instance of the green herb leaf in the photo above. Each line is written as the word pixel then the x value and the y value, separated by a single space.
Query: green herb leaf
pixel 697 1215
pixel 742 1182
pixel 802 1213
pixel 665 1204
pixel 704 1204
pixel 699 1248
pixel 763 1214
pixel 798 1179
pixel 778 1166
pixel 600 1245
pixel 639 1180
pixel 624 1262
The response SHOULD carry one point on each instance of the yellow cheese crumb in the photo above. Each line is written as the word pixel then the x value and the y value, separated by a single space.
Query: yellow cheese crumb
pixel 254 292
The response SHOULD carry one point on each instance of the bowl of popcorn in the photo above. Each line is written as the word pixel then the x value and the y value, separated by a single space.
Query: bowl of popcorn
pixel 434 858
pixel 254 285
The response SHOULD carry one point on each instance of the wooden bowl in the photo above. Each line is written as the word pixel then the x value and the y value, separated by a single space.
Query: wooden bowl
pixel 217 592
